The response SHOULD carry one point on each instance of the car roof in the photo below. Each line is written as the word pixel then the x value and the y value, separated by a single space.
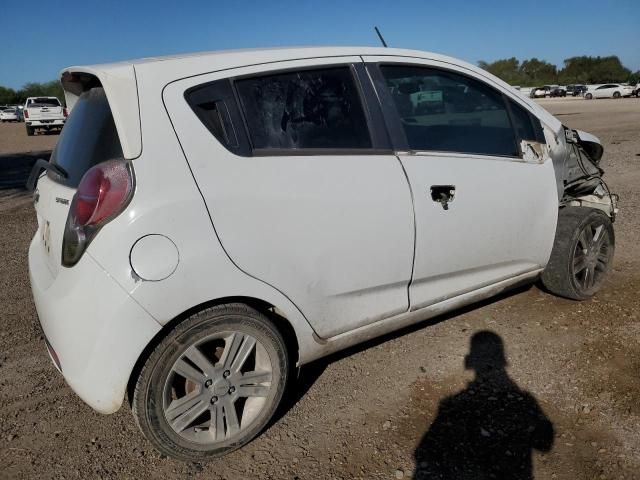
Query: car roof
pixel 273 54
pixel 121 79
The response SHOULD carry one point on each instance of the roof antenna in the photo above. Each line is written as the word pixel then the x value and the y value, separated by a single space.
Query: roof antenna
pixel 384 44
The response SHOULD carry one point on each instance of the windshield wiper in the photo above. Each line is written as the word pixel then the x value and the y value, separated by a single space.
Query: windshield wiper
pixel 41 164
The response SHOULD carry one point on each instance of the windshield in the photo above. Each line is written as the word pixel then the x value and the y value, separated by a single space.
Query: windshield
pixel 89 137
pixel 44 102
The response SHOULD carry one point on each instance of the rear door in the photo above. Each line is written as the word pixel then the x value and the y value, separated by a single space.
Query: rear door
pixel 301 185
pixel 485 212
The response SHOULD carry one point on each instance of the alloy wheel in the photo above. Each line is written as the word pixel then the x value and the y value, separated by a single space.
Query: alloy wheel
pixel 591 257
pixel 217 387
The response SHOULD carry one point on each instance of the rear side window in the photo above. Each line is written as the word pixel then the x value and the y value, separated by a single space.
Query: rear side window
pixel 310 109
pixel 215 105
pixel 88 138
pixel 447 112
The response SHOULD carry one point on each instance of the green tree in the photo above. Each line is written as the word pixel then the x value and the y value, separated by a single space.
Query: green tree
pixel 47 89
pixel 587 69
pixel 8 96
pixel 538 72
pixel 507 69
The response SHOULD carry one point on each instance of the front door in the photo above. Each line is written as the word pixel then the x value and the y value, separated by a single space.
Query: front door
pixel 484 211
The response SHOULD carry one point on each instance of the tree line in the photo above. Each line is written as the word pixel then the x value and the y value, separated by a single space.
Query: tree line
pixel 529 73
pixel 9 96
pixel 581 70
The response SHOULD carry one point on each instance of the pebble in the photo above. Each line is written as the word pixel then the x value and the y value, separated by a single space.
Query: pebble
pixel 386 425
pixel 399 474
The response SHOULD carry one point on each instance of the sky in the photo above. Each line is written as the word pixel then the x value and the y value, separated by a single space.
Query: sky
pixel 40 38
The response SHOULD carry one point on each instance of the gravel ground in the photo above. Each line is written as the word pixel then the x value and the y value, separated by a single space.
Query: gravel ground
pixel 568 400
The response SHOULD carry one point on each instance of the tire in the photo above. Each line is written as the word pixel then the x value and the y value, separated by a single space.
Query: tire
pixel 205 337
pixel 582 253
pixel 588 96
pixel 30 131
pixel 616 95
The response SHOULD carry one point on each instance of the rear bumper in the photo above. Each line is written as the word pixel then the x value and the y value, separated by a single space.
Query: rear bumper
pixel 45 123
pixel 95 329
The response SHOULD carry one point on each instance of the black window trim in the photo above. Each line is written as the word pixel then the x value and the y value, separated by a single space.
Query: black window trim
pixel 228 97
pixel 394 123
pixel 380 141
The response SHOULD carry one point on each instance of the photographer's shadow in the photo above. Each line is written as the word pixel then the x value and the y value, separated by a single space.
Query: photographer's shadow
pixel 490 429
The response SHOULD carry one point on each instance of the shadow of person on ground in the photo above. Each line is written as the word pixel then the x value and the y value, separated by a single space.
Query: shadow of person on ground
pixel 488 430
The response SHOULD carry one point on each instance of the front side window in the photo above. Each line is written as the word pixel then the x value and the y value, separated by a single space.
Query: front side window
pixel 318 109
pixel 524 124
pixel 447 112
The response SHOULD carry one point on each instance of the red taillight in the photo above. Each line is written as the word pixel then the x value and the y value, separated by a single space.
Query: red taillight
pixel 103 193
pixel 26 113
pixel 65 112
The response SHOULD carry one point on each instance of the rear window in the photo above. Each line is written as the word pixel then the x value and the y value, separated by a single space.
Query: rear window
pixel 89 137
pixel 44 102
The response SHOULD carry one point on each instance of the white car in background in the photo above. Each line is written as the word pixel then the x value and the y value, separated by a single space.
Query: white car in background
pixel 209 222
pixel 609 90
pixel 9 114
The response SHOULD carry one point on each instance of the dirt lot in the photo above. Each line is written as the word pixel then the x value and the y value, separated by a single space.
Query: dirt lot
pixel 363 413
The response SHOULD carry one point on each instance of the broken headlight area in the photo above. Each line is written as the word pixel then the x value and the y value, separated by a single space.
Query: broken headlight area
pixel 583 182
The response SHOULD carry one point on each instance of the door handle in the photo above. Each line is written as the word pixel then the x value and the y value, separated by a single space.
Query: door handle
pixel 443 194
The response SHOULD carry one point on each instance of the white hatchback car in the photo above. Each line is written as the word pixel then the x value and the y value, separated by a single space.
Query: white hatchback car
pixel 208 222
pixel 609 90
pixel 9 114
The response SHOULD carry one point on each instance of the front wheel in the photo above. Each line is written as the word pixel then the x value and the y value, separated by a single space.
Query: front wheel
pixel 616 95
pixel 582 253
pixel 212 384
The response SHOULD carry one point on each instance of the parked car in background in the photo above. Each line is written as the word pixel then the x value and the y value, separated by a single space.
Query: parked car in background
pixel 44 113
pixel 540 92
pixel 609 90
pixel 283 208
pixel 9 114
pixel 576 90
pixel 558 92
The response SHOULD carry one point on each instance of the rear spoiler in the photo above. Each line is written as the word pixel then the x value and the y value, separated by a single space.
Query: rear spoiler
pixel 120 86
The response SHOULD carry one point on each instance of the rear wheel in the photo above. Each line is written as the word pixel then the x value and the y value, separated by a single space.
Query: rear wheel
pixel 212 384
pixel 582 253
pixel 30 131
pixel 588 96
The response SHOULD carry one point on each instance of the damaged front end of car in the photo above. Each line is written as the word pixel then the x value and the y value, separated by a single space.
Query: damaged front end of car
pixel 579 174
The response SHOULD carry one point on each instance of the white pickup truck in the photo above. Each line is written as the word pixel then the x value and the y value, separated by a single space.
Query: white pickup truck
pixel 44 113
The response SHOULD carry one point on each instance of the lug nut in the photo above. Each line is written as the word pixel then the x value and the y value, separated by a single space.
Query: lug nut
pixel 232 389
pixel 214 399
pixel 226 373
pixel 208 383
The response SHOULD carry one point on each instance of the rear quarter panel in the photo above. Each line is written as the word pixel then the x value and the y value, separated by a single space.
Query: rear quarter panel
pixel 167 202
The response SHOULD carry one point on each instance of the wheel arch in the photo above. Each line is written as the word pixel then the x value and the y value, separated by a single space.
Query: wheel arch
pixel 275 315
